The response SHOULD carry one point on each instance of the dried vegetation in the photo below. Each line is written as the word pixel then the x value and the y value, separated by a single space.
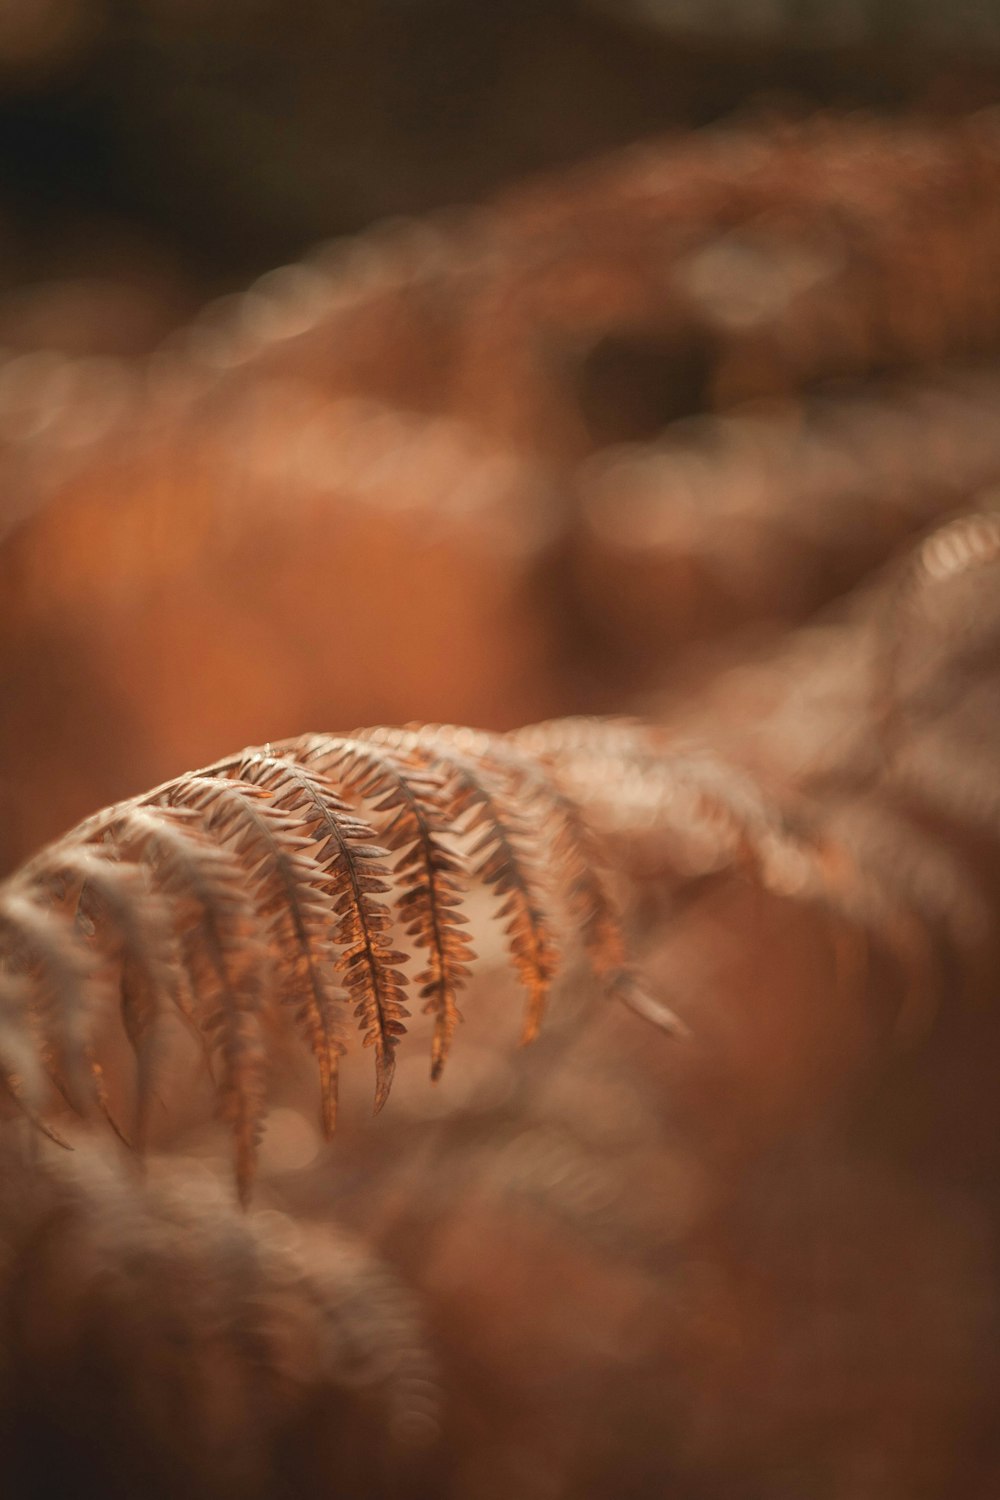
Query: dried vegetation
pixel 689 455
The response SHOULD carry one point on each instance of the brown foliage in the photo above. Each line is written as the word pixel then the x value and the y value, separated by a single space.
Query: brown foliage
pixel 641 1261
pixel 747 1253
pixel 248 893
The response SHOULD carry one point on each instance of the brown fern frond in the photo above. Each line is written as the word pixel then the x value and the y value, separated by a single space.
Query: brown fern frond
pixel 233 1344
pixel 873 877
pixel 22 1076
pixel 948 555
pixel 289 891
pixel 577 860
pixel 118 897
pixel 869 869
pixel 621 791
pixel 248 895
pixel 504 851
pixel 226 961
pixel 429 871
pixel 71 991
pixel 577 854
pixel 652 799
pixel 356 872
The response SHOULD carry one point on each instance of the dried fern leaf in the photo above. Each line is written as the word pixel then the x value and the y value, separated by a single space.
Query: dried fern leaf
pixel 947 555
pixel 415 825
pixel 69 993
pixel 22 1075
pixel 640 788
pixel 504 851
pixel 351 869
pixel 250 1332
pixel 250 894
pixel 577 860
pixel 117 899
pixel 225 957
pixel 290 898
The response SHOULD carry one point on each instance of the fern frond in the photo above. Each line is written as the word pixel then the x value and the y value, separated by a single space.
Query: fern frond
pixel 429 871
pixel 643 792
pixel 232 1344
pixel 22 1076
pixel 876 880
pixel 356 872
pixel 71 992
pixel 119 898
pixel 226 960
pixel 259 896
pixel 504 850
pixel 947 556
pixel 289 890
pixel 577 860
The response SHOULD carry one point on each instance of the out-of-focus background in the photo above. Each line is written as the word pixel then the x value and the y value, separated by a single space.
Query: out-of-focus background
pixel 396 359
